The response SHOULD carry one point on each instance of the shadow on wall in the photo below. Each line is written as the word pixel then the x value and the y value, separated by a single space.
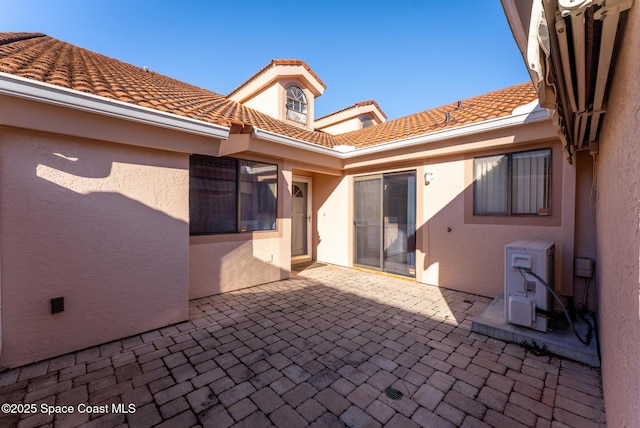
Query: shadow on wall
pixel 93 223
pixel 464 251
pixel 232 264
pixel 225 262
pixel 468 256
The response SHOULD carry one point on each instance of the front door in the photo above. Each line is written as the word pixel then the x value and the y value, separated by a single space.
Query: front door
pixel 300 218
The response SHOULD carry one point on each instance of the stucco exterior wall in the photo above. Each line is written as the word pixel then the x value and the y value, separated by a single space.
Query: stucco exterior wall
pixel 349 125
pixel 618 235
pixel 222 263
pixel 466 252
pixel 468 257
pixel 103 225
pixel 273 100
pixel 267 101
pixel 585 227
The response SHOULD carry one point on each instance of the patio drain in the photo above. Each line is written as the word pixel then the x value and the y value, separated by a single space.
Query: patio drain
pixel 393 393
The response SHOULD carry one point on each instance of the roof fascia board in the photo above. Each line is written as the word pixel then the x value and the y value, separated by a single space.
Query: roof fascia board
pixel 28 89
pixel 278 72
pixel 537 115
pixel 349 113
pixel 292 142
pixel 518 30
pixel 16 86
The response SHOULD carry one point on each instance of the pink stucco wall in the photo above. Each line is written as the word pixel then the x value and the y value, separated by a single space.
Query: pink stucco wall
pixel 466 252
pixel 227 262
pixel 618 235
pixel 585 230
pixel 103 225
pixel 219 264
pixel 455 249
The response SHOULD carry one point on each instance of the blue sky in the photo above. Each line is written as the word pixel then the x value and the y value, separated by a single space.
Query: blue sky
pixel 406 55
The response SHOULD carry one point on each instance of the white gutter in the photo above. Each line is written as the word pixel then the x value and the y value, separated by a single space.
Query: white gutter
pixel 43 92
pixel 519 117
pixel 21 87
pixel 473 128
pixel 293 142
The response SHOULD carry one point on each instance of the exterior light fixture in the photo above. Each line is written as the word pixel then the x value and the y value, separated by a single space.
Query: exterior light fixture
pixel 428 178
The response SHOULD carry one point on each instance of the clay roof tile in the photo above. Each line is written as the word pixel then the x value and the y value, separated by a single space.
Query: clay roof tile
pixel 43 58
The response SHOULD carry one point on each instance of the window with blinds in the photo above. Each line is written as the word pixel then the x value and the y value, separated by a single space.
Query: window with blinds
pixel 228 195
pixel 512 184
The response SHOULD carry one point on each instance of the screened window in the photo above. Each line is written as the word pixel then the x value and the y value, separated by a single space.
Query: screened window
pixel 367 122
pixel 512 184
pixel 228 195
pixel 296 105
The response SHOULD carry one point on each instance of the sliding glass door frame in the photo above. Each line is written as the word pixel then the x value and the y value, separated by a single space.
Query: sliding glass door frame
pixel 362 233
pixel 372 223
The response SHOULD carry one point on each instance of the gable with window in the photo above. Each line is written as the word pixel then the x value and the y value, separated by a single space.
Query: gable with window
pixel 228 195
pixel 296 105
pixel 512 184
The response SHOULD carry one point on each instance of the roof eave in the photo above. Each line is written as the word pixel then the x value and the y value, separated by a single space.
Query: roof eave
pixel 536 115
pixel 349 113
pixel 519 25
pixel 21 87
pixel 273 73
pixel 519 118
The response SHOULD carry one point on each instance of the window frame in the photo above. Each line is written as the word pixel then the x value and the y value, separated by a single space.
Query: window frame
pixel 238 214
pixel 542 212
pixel 295 101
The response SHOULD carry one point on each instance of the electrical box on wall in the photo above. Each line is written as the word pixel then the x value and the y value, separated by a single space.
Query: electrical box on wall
pixel 583 267
pixel 57 305
pixel 523 292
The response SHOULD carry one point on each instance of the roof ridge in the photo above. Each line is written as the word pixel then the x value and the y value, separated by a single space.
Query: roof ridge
pixel 435 118
pixel 17 37
pixel 354 105
pixel 273 63
pixel 92 72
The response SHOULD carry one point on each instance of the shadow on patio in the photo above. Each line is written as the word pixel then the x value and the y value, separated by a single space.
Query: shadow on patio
pixel 319 349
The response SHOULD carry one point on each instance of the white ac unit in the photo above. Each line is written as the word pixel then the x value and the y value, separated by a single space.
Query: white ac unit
pixel 523 292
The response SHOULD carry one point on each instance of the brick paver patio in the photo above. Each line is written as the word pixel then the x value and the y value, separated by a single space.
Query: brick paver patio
pixel 319 349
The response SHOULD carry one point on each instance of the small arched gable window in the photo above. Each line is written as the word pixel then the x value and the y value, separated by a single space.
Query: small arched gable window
pixel 367 122
pixel 296 105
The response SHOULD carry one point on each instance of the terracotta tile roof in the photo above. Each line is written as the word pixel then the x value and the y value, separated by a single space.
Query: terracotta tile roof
pixel 43 58
pixel 477 109
pixel 273 63
pixel 358 104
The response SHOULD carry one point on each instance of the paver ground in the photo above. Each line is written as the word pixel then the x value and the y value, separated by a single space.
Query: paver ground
pixel 320 349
